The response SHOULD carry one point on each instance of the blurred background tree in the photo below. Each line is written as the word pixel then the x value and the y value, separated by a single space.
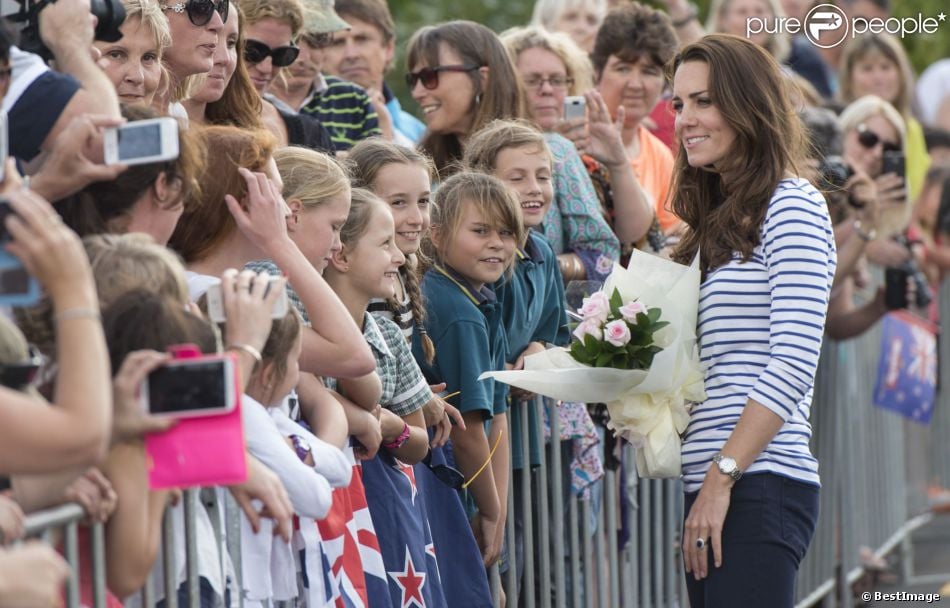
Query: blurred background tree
pixel 499 15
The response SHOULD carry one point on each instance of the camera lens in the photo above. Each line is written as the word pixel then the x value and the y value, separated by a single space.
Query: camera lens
pixel 110 14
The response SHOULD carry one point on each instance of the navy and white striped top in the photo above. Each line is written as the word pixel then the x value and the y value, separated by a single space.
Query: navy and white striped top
pixel 760 328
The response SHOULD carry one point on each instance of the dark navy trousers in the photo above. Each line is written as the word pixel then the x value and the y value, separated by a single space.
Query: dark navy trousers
pixel 768 527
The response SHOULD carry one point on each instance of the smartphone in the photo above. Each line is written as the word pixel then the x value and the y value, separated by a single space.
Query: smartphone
pixel 216 304
pixel 187 388
pixel 894 162
pixel 141 141
pixel 17 286
pixel 895 288
pixel 575 106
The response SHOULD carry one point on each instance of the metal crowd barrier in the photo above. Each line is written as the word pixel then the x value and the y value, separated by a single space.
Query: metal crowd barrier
pixel 60 525
pixel 875 468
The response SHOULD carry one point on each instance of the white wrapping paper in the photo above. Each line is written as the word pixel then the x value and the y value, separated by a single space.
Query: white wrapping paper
pixel 649 408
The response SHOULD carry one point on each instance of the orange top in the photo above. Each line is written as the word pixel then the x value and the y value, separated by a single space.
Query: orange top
pixel 654 170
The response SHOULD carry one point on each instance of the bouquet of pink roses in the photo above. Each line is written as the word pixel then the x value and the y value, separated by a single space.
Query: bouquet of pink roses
pixel 645 369
pixel 616 334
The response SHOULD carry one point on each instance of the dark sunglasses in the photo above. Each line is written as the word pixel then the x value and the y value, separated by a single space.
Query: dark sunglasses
pixel 430 76
pixel 449 476
pixel 18 376
pixel 869 139
pixel 200 12
pixel 282 56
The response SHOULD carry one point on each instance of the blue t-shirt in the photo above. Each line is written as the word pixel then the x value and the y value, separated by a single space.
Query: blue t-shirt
pixel 465 327
pixel 532 305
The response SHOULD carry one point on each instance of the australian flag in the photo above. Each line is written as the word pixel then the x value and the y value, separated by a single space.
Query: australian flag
pixel 907 372
pixel 405 540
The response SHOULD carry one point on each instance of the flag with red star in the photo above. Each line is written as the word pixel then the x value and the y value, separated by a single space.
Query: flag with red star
pixel 907 371
pixel 453 544
pixel 411 570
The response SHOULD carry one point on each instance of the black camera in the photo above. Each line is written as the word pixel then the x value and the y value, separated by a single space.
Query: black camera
pixel 833 172
pixel 109 14
pixel 895 284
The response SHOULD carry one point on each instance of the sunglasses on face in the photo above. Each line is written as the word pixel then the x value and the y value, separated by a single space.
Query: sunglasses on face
pixel 20 375
pixel 444 473
pixel 200 12
pixel 869 139
pixel 430 76
pixel 282 56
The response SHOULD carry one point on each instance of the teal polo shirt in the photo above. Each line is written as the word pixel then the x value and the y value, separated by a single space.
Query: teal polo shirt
pixel 465 327
pixel 532 305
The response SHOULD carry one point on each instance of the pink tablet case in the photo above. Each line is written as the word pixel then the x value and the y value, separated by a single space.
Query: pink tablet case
pixel 205 451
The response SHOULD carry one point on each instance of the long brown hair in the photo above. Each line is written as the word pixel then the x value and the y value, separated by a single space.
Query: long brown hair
pixel 240 105
pixel 366 159
pixel 747 86
pixel 208 223
pixel 501 97
pixel 106 206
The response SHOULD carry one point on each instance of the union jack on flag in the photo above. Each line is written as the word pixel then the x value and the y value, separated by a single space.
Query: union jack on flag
pixel 907 371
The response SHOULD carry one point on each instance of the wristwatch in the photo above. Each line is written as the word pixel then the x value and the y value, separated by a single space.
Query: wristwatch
pixel 727 466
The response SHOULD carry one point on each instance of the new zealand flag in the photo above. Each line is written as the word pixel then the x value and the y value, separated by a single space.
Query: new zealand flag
pixel 907 372
pixel 459 560
pixel 405 540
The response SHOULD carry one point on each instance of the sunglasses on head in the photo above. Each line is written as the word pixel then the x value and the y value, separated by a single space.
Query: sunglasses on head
pixel 20 375
pixel 449 476
pixel 281 56
pixel 200 12
pixel 869 139
pixel 318 40
pixel 430 76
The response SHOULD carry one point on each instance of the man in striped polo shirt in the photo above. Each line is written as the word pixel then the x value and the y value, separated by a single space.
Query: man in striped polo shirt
pixel 364 54
pixel 343 108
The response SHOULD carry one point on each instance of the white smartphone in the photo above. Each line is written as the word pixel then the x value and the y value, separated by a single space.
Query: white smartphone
pixel 141 141
pixel 216 304
pixel 186 388
pixel 575 106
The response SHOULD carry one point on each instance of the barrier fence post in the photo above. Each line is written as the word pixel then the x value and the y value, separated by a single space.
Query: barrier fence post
pixel 170 567
pixel 71 545
pixel 557 501
pixel 98 535
pixel 540 487
pixel 610 500
pixel 191 547
pixel 527 513
pixel 511 575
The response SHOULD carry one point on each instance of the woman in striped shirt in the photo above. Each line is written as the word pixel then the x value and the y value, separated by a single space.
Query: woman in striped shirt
pixel 767 252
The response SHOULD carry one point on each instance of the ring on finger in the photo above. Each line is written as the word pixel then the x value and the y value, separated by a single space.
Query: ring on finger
pixel 700 543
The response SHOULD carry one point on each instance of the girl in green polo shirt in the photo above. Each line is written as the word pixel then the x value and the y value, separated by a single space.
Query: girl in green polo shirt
pixel 476 229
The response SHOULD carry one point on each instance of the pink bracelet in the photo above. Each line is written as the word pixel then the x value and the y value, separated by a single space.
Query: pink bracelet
pixel 400 441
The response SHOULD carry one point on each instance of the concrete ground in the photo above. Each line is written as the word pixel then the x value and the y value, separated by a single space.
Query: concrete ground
pixel 931 556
